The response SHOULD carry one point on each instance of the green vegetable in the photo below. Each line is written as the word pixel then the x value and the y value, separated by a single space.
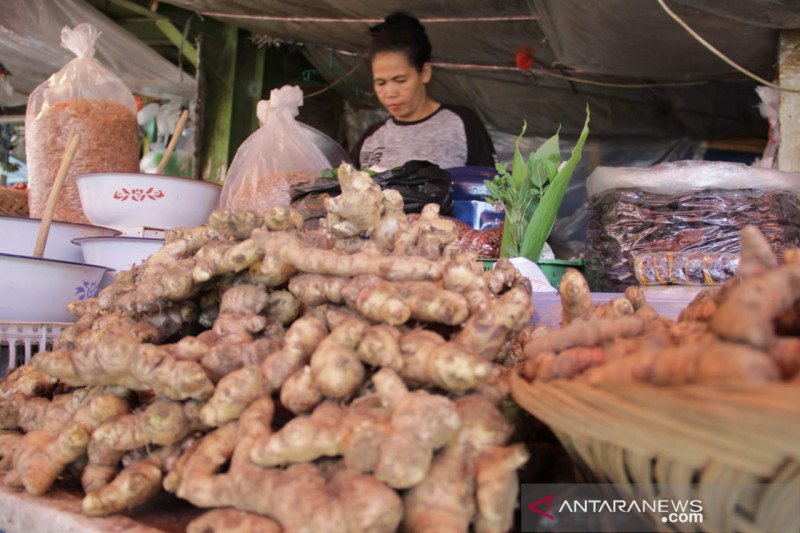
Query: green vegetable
pixel 532 193
pixel 333 173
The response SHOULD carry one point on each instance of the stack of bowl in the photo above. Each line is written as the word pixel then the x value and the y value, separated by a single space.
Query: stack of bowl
pixel 138 205
pixel 36 289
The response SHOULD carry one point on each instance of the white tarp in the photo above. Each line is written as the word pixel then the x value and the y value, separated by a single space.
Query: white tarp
pixel 613 41
pixel 30 48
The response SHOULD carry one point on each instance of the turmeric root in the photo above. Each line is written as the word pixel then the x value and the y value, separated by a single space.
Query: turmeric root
pixel 757 256
pixel 635 296
pixel 21 385
pixel 288 249
pixel 327 432
pixel 616 308
pixel 236 224
pixel 445 499
pixel 701 308
pixel 133 486
pixel 212 260
pixel 576 299
pixel 429 360
pixel 430 303
pixel 44 454
pixel 377 300
pixel 27 382
pixel 400 448
pixel 347 502
pixel 747 310
pixel 380 347
pixel 315 289
pixel 358 209
pixel 392 220
pixel 497 487
pixel 428 236
pixel 487 331
pixel 335 367
pixel 299 394
pixel 164 422
pixel 785 352
pixel 585 333
pixel 230 520
pixel 567 364
pixel 420 423
pixel 688 363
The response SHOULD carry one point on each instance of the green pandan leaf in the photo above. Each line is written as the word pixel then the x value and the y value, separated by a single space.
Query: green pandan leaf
pixel 519 170
pixel 541 223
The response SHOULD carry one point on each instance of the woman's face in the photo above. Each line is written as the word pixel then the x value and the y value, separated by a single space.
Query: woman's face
pixel 400 87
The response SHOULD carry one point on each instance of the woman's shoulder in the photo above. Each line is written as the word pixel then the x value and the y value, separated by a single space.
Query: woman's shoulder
pixel 466 113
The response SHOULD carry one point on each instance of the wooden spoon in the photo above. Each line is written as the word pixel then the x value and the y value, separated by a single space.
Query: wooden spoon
pixel 173 141
pixel 50 208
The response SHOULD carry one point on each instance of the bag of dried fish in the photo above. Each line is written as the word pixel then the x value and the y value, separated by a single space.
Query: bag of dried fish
pixel 275 157
pixel 85 96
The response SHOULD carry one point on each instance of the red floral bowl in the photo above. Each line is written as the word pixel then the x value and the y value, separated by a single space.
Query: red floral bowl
pixel 129 202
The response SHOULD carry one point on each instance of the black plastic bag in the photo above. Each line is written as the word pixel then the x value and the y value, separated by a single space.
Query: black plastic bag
pixel 418 182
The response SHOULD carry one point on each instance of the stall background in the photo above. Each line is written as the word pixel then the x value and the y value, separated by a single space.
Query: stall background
pixel 656 94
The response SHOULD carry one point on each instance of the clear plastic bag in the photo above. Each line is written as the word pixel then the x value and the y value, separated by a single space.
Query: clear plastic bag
pixel 275 157
pixel 679 223
pixel 93 101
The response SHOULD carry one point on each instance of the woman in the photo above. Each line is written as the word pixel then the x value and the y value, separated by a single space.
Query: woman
pixel 419 127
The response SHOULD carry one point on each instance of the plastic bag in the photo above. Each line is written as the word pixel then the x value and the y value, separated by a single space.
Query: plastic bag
pixel 418 182
pixel 657 229
pixel 276 156
pixel 85 96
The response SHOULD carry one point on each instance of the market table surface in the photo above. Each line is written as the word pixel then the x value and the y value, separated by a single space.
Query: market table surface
pixel 59 511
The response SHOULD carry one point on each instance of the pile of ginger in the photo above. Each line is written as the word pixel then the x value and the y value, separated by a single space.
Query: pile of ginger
pixel 744 331
pixel 341 379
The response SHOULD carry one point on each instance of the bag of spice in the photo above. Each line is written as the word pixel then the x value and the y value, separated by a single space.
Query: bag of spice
pixel 275 157
pixel 85 96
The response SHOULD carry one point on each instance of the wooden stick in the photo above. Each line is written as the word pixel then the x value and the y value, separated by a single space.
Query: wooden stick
pixel 50 208
pixel 173 141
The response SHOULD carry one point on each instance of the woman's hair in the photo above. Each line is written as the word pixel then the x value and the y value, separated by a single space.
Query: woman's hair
pixel 400 32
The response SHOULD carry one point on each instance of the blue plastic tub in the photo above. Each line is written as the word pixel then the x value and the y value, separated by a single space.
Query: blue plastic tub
pixel 469 192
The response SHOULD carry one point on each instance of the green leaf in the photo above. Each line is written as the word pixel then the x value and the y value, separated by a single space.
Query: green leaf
pixel 541 223
pixel 549 150
pixel 539 175
pixel 519 170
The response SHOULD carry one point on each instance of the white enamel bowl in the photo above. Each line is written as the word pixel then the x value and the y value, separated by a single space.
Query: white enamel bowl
pixel 19 237
pixel 38 290
pixel 129 202
pixel 117 253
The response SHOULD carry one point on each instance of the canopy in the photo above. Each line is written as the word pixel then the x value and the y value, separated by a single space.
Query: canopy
pixel 30 49
pixel 614 42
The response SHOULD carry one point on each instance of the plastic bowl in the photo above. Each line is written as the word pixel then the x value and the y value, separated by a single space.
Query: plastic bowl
pixel 118 253
pixel 38 290
pixel 19 237
pixel 129 202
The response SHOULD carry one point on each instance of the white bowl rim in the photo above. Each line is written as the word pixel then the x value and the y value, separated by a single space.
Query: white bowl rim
pixel 48 260
pixel 79 240
pixel 143 175
pixel 63 223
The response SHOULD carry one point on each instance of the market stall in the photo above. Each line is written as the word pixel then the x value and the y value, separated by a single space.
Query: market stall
pixel 313 347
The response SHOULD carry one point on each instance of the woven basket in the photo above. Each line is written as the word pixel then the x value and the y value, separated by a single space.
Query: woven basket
pixel 736 449
pixel 13 202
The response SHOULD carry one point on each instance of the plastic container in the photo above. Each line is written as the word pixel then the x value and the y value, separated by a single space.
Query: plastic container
pixel 670 303
pixel 553 269
pixel 469 192
pixel 38 290
pixel 19 237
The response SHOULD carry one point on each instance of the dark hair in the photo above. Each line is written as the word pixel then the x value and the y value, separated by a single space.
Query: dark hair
pixel 400 32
